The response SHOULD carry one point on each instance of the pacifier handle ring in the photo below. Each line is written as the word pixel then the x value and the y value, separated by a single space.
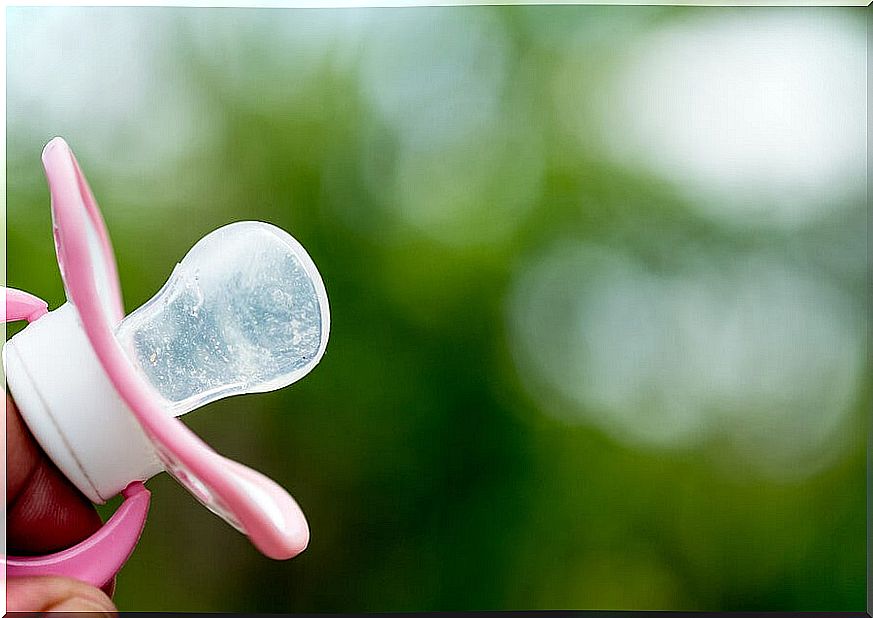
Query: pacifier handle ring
pixel 97 559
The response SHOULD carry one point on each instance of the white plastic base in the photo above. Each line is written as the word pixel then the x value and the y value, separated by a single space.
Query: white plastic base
pixel 72 408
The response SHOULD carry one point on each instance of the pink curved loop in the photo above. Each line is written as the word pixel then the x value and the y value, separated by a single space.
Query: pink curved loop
pixel 23 306
pixel 98 558
pixel 246 499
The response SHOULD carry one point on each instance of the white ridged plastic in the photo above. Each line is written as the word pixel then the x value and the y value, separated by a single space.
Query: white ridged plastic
pixel 73 410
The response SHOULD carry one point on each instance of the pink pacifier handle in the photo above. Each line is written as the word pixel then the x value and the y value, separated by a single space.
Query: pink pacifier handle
pixel 98 558
pixel 23 306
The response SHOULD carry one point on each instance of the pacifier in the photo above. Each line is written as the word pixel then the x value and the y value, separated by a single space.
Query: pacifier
pixel 245 311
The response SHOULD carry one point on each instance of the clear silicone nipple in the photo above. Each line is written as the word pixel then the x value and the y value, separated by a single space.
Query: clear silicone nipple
pixel 244 311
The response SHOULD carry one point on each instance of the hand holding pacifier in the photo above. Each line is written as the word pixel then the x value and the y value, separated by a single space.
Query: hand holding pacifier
pixel 245 311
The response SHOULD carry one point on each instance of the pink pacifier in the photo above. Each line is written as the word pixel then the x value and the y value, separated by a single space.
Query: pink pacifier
pixel 244 311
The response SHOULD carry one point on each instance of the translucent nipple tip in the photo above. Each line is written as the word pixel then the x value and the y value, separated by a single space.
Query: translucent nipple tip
pixel 244 311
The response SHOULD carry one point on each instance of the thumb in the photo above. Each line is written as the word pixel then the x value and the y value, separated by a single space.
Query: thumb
pixel 55 594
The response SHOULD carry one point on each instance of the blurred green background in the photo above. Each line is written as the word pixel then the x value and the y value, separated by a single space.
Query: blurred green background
pixel 597 280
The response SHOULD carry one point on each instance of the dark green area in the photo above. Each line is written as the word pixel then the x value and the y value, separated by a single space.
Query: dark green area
pixel 432 478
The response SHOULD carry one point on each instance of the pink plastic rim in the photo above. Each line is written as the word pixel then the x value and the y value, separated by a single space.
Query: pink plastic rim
pixel 98 558
pixel 248 500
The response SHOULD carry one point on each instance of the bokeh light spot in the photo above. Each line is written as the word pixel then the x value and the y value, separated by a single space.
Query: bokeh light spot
pixel 748 350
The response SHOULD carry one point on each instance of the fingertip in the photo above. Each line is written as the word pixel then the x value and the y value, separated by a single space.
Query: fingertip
pixel 79 605
pixel 44 511
pixel 49 515
pixel 55 594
